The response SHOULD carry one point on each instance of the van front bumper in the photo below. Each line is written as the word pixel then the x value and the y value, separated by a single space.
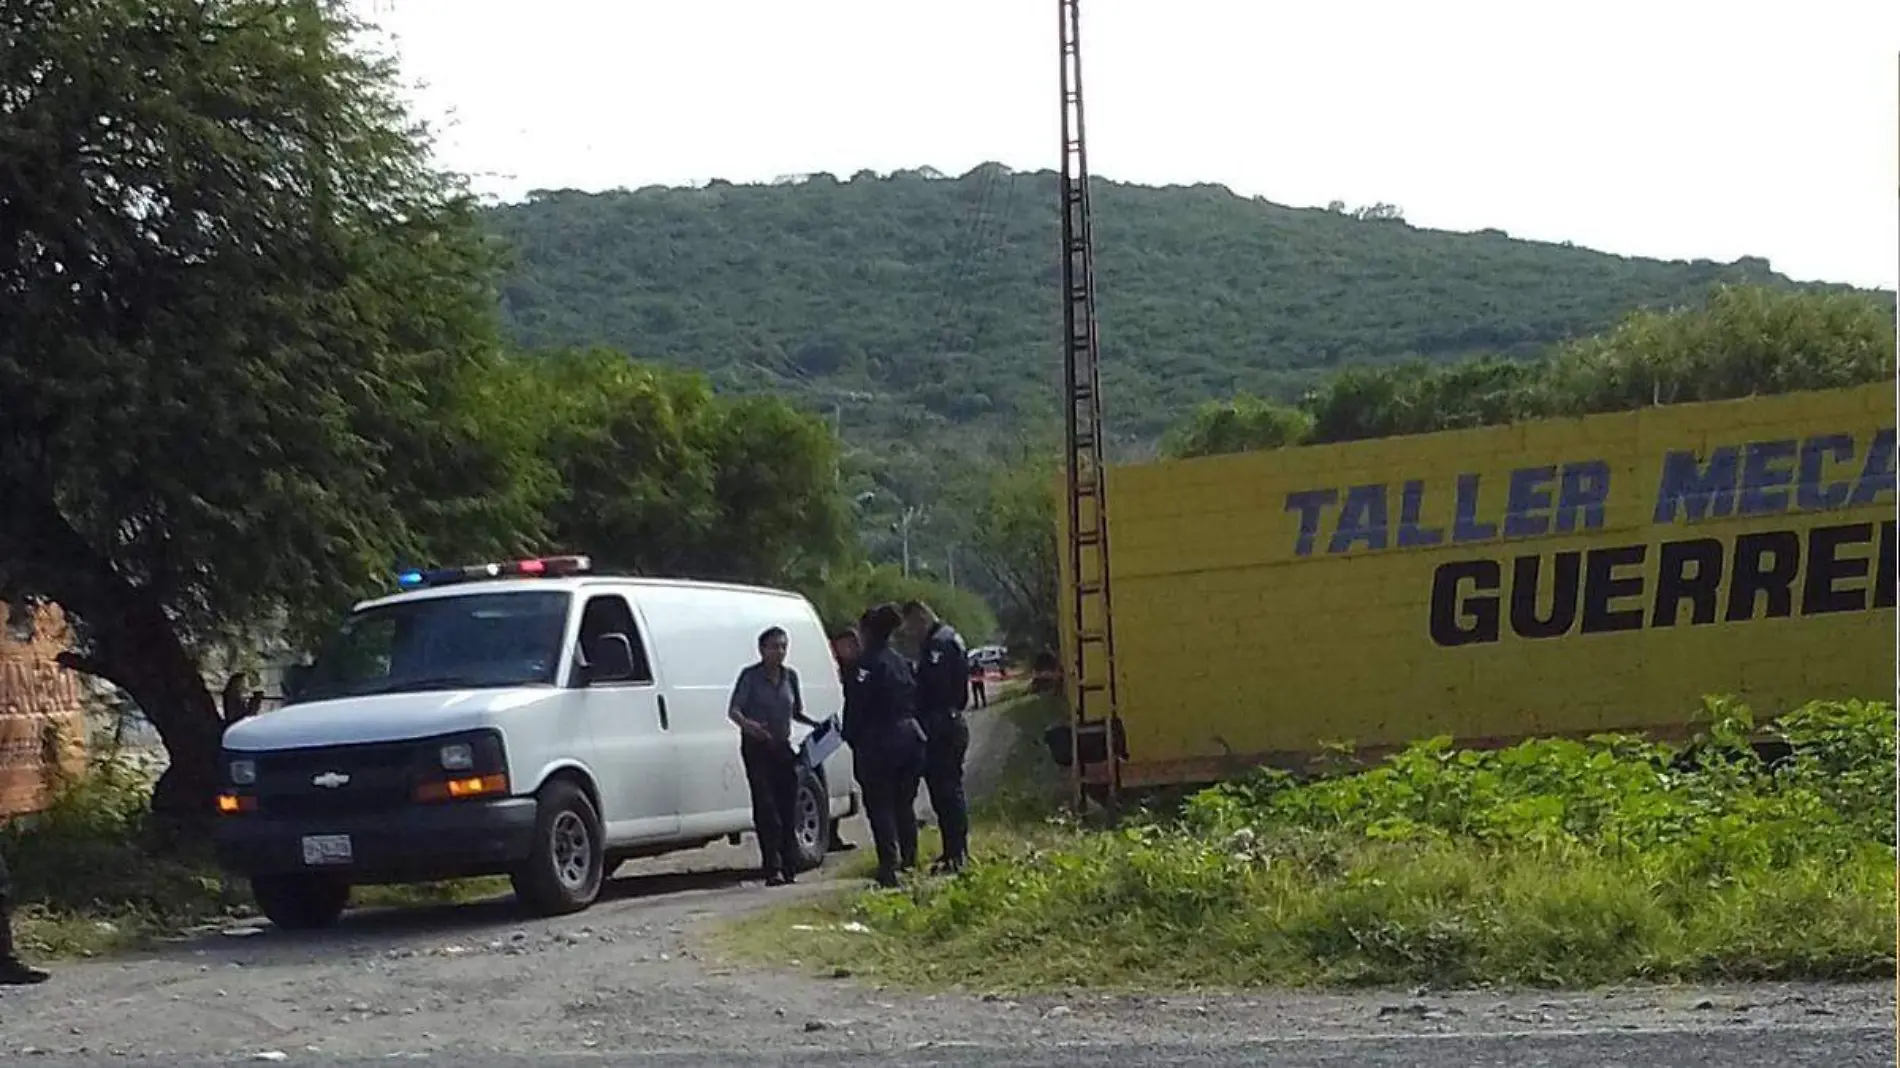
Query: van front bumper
pixel 414 843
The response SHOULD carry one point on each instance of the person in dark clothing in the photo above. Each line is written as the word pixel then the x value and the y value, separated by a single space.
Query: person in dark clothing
pixel 844 649
pixel 765 703
pixel 979 685
pixel 943 693
pixel 887 745
pixel 13 970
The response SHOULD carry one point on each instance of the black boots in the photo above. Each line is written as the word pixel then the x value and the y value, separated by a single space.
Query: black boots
pixel 15 972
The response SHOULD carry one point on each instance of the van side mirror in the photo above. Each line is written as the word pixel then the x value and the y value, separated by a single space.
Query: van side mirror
pixel 612 659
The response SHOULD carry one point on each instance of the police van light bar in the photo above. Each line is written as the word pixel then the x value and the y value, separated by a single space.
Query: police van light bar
pixel 537 567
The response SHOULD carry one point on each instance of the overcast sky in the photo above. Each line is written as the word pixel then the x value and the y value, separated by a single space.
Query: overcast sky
pixel 1670 128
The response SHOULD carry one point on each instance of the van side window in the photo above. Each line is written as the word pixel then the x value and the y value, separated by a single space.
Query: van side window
pixel 608 614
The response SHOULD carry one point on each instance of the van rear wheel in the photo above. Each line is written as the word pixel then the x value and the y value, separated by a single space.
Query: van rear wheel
pixel 565 871
pixel 811 816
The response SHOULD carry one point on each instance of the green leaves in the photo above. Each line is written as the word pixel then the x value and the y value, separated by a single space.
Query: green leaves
pixel 1745 341
pixel 1554 862
pixel 652 474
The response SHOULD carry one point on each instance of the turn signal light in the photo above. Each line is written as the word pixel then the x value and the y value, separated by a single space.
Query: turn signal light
pixel 231 804
pixel 458 789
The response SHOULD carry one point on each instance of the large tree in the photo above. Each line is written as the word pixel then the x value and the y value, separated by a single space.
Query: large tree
pixel 659 476
pixel 244 335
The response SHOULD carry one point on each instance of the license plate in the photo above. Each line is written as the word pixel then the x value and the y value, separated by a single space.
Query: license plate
pixel 327 849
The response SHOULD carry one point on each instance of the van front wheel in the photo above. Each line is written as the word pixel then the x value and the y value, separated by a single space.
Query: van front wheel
pixel 565 871
pixel 811 815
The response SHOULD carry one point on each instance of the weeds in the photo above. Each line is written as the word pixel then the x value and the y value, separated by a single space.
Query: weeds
pixel 87 882
pixel 1551 863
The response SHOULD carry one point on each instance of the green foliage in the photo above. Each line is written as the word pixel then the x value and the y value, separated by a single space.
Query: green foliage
pixel 657 476
pixel 87 880
pixel 236 352
pixel 1012 538
pixel 1238 425
pixel 1553 862
pixel 846 593
pixel 935 298
pixel 1748 341
pixel 247 325
pixel 1744 342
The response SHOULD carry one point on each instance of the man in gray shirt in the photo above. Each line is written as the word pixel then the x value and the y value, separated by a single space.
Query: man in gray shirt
pixel 765 703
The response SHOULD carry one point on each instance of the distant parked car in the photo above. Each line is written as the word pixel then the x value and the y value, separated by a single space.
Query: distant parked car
pixel 989 656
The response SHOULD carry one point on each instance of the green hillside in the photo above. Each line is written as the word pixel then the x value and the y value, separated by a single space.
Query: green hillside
pixel 910 301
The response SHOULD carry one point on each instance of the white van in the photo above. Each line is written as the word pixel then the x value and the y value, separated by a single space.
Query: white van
pixel 530 719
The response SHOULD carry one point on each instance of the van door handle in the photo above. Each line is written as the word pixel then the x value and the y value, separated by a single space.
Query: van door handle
pixel 662 702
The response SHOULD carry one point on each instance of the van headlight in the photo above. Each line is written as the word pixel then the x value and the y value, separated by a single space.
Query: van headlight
pixel 458 756
pixel 243 772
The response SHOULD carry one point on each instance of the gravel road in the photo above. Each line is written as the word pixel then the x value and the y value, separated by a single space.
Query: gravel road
pixel 491 988
pixel 488 986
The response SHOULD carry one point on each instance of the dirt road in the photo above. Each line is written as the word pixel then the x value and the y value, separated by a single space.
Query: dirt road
pixel 486 984
pixel 492 988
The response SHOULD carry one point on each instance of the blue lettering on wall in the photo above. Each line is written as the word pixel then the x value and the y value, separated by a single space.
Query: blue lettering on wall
pixel 1767 472
pixel 1464 525
pixel 1586 486
pixel 1810 494
pixel 1361 519
pixel 1411 534
pixel 1308 503
pixel 1876 476
pixel 1527 501
pixel 1695 490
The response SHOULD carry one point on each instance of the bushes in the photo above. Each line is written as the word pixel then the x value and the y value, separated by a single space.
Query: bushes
pixel 89 878
pixel 1553 862
pixel 85 876
pixel 1747 341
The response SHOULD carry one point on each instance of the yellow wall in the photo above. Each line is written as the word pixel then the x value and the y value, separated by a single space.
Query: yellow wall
pixel 1235 641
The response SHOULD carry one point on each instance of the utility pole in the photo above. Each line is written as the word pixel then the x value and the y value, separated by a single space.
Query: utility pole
pixel 1094 701
pixel 911 514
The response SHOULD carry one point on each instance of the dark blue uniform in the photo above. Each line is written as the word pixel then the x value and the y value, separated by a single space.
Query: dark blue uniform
pixel 887 753
pixel 943 693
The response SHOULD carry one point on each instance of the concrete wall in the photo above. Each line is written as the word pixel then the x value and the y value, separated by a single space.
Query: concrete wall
pixel 1562 576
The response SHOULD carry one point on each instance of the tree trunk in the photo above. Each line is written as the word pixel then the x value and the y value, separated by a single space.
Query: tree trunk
pixel 131 643
pixel 136 649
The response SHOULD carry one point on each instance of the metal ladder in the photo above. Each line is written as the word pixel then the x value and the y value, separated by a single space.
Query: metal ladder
pixel 1093 697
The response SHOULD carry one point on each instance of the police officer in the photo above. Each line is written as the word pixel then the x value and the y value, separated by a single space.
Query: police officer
pixel 943 693
pixel 844 649
pixel 13 970
pixel 887 745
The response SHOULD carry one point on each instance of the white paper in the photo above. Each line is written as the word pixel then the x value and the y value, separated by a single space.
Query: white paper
pixel 822 742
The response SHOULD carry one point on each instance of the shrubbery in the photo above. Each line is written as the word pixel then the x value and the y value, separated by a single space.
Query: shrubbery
pixel 1553 862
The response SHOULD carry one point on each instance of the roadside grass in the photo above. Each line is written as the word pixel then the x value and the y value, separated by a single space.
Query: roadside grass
pixel 87 883
pixel 1553 863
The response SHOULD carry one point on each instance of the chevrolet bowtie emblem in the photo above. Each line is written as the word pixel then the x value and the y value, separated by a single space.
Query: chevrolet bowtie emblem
pixel 330 780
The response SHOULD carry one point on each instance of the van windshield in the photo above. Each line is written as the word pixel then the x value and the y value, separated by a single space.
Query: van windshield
pixel 471 641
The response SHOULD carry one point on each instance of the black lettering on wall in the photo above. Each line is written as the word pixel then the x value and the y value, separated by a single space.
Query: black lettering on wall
pixel 1883 568
pixel 1765 564
pixel 1474 620
pixel 1563 603
pixel 1688 571
pixel 1601 585
pixel 1821 591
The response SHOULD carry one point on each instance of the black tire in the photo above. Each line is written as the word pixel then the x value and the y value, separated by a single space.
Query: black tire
pixel 565 871
pixel 812 815
pixel 301 902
